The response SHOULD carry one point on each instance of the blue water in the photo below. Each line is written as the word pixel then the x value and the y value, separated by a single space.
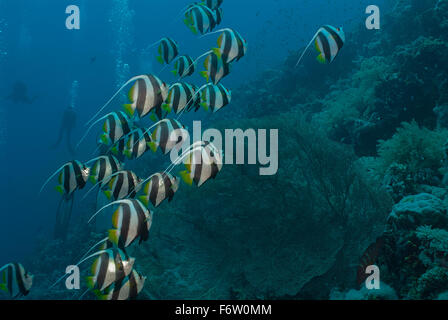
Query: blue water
pixel 47 57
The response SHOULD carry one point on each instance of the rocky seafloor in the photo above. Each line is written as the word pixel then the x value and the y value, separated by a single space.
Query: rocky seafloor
pixel 363 155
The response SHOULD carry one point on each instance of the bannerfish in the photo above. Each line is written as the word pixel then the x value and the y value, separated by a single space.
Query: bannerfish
pixel 204 163
pixel 120 185
pixel 183 66
pixel 169 134
pixel 125 289
pixel 328 41
pixel 103 167
pixel 200 19
pixel 214 97
pixel 180 97
pixel 15 280
pixel 168 50
pixel 131 220
pixel 116 125
pixel 231 45
pixel 146 95
pixel 111 265
pixel 72 176
pixel 159 187
pixel 137 144
pixel 215 68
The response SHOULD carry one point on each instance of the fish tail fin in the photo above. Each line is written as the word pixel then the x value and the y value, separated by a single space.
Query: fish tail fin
pixel 114 236
pixel 129 109
pixel 90 282
pixel 185 175
pixel 105 139
pixel 204 74
pixel 166 107
pixel 127 153
pixel 144 200
pixel 320 58
pixel 153 146
pixel 205 106
pixel 3 287
pixel 218 53
pixel 108 194
pixel 92 179
pixel 60 189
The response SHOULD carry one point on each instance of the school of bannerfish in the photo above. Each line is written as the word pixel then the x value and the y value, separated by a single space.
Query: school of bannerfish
pixel 113 274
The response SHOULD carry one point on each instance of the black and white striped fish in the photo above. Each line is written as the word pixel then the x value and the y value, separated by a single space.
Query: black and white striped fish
pixel 15 280
pixel 213 4
pixel 168 50
pixel 117 125
pixel 146 95
pixel 137 144
pixel 120 185
pixel 215 97
pixel 131 220
pixel 204 163
pixel 72 176
pixel 231 45
pixel 184 66
pixel 169 134
pixel 215 68
pixel 103 167
pixel 112 265
pixel 125 289
pixel 181 96
pixel 328 41
pixel 159 187
pixel 200 19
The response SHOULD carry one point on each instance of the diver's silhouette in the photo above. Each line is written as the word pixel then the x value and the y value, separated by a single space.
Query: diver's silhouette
pixel 19 94
pixel 67 125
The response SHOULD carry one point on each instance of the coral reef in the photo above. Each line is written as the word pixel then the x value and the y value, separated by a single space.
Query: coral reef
pixel 356 136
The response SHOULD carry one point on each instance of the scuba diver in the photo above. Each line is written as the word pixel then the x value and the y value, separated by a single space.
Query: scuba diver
pixel 68 121
pixel 67 125
pixel 19 94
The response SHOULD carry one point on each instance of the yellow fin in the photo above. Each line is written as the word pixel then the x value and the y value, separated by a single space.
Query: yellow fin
pixel 160 60
pixel 205 106
pixel 321 59
pixel 217 51
pixel 93 179
pixel 204 74
pixel 3 287
pixel 115 218
pixel 153 146
pixel 144 200
pixel 90 282
pixel 129 109
pixel 132 92
pixel 185 175
pixel 108 194
pixel 114 236
pixel 60 189
pixel 166 107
